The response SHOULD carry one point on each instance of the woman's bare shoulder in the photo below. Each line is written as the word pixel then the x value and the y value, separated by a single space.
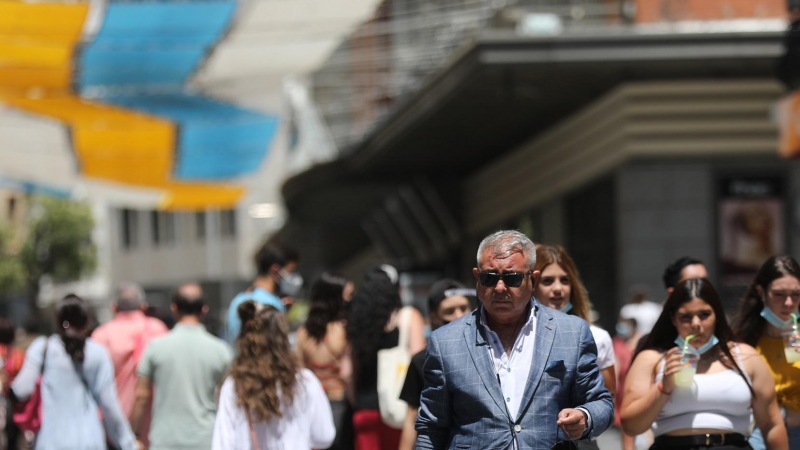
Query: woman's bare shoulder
pixel 745 349
pixel 649 357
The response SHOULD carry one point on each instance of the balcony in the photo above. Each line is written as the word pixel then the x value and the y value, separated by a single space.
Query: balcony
pixel 409 41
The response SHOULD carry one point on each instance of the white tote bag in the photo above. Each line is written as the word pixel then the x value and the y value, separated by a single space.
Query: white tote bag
pixel 392 367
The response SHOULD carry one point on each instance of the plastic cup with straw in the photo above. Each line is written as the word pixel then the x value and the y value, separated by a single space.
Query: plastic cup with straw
pixel 791 342
pixel 689 358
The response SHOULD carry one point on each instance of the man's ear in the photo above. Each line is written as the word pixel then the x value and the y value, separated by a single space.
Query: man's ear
pixel 670 290
pixel 144 306
pixel 535 278
pixel 760 291
pixel 275 268
pixel 173 308
pixel 114 307
pixel 475 273
pixel 205 309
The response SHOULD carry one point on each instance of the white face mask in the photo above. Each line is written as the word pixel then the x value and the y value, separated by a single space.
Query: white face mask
pixel 290 283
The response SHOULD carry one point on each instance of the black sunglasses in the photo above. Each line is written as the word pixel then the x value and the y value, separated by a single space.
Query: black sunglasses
pixel 510 279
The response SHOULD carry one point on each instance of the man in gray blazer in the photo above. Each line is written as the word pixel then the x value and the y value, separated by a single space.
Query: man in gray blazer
pixel 512 374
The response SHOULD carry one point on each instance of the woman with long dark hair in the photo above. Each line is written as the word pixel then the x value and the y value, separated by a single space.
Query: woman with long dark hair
pixel 322 346
pixel 373 322
pixel 77 378
pixel 766 314
pixel 560 287
pixel 712 408
pixel 269 400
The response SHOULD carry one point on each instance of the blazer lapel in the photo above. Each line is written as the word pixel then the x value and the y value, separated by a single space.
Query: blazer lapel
pixel 545 333
pixel 479 352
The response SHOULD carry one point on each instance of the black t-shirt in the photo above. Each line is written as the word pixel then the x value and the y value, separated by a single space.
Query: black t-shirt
pixel 415 380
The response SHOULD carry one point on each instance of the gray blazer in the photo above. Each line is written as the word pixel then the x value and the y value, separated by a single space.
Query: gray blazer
pixel 462 403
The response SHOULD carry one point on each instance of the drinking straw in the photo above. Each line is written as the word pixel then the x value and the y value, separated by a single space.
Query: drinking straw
pixel 686 342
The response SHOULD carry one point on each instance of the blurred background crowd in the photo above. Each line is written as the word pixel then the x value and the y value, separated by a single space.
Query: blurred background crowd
pixel 146 145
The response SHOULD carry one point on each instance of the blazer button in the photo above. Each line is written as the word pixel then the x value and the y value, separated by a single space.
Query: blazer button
pixel 517 428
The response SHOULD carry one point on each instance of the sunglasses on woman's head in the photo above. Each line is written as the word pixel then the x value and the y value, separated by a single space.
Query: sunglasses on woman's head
pixel 510 279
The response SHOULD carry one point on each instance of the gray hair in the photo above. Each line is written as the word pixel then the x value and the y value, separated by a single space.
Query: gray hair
pixel 506 241
pixel 130 296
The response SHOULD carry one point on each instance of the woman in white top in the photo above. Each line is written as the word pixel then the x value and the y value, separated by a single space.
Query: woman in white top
pixel 731 380
pixel 269 401
pixel 560 288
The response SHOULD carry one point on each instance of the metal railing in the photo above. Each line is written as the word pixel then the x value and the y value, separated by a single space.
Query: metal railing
pixel 407 41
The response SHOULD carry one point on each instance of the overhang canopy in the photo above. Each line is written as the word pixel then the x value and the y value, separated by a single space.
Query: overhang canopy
pixel 504 89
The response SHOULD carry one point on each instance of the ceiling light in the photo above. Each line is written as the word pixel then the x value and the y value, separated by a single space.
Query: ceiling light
pixel 263 210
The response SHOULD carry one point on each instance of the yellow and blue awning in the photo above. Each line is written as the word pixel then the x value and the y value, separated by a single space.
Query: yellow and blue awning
pixel 122 96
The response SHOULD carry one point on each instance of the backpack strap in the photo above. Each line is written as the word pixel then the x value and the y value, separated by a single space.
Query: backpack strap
pixel 44 355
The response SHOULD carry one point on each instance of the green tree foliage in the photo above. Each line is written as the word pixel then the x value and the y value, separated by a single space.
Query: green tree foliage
pixel 12 273
pixel 58 243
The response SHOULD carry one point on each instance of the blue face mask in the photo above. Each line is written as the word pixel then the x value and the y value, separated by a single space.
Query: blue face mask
pixel 712 341
pixel 624 330
pixel 567 308
pixel 774 320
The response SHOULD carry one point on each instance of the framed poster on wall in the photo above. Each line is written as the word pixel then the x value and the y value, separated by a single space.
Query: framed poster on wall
pixel 751 228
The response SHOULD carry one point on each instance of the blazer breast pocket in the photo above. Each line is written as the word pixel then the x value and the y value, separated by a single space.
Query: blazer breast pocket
pixel 556 368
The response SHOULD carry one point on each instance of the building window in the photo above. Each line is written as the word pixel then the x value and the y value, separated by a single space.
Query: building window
pixel 129 228
pixel 200 225
pixel 169 227
pixel 228 223
pixel 156 228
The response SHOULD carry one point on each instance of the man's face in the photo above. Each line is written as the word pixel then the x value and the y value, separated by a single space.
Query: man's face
pixel 694 271
pixel 688 272
pixel 290 267
pixel 505 304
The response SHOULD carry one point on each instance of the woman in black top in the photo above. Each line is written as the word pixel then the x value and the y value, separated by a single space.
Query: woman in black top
pixel 372 326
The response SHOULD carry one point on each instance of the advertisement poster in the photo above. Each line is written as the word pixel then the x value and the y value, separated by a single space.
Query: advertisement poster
pixel 752 227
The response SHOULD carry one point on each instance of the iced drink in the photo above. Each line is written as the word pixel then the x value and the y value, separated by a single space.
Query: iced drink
pixel 791 346
pixel 685 376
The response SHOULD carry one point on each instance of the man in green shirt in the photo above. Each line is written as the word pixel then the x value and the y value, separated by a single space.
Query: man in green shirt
pixel 185 369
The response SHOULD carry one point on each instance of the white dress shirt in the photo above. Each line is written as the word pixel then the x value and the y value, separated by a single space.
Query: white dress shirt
pixel 512 369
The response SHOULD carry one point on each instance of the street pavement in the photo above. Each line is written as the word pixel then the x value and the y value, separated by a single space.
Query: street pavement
pixel 610 440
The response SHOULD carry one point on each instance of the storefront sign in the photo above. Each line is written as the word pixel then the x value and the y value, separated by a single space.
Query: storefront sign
pixel 751 226
pixel 787 114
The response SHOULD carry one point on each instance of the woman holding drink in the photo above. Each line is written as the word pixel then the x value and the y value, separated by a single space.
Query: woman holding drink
pixel 768 322
pixel 694 385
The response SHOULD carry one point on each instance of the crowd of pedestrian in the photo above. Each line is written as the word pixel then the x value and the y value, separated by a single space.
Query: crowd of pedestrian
pixel 516 362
